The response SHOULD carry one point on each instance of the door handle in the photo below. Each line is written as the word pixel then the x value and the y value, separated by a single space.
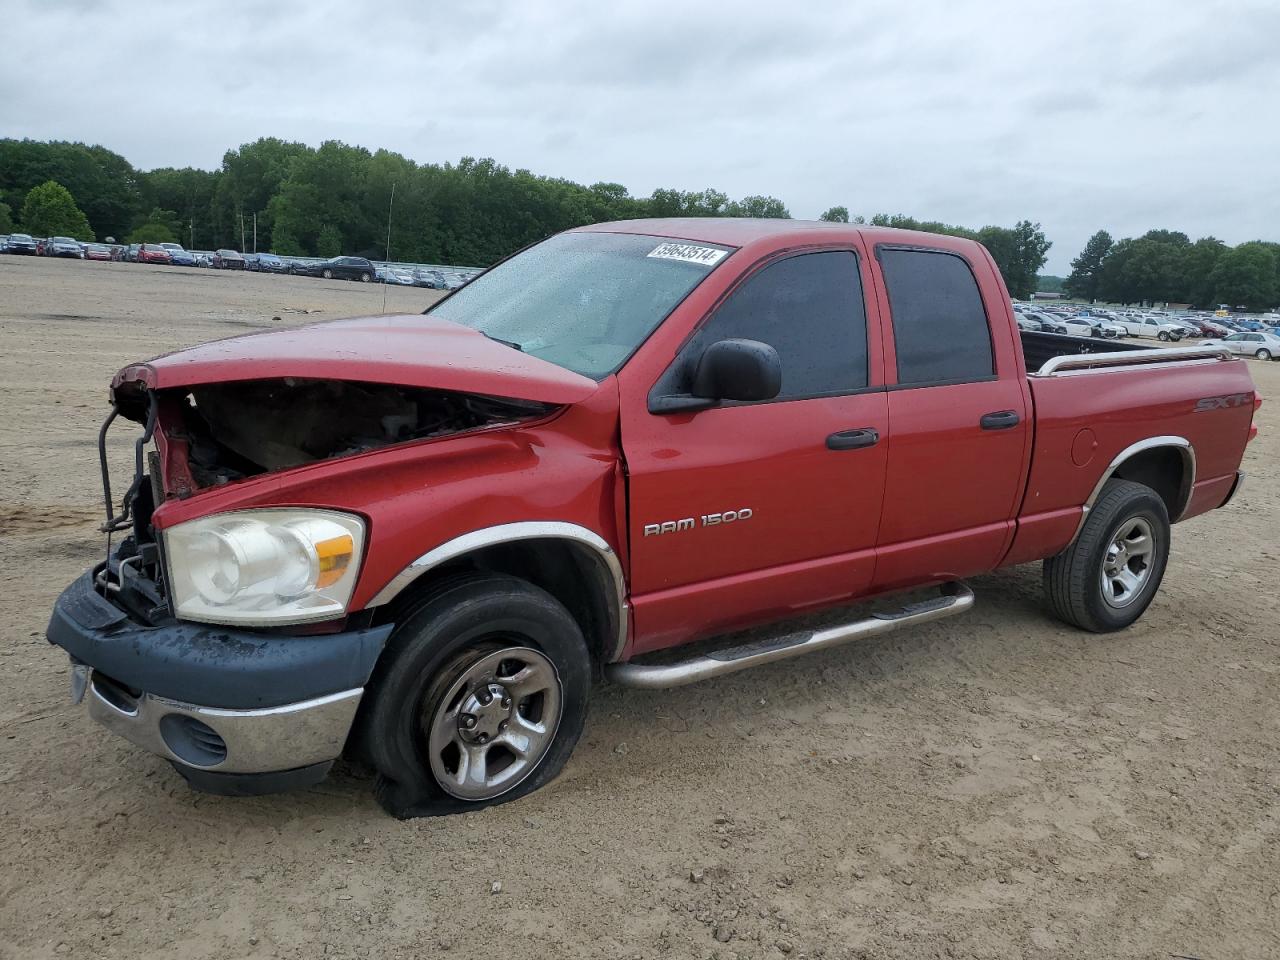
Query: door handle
pixel 1000 420
pixel 853 439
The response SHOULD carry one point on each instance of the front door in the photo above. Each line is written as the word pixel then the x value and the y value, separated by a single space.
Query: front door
pixel 751 511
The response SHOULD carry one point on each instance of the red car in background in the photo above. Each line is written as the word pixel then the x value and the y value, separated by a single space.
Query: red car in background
pixel 97 251
pixel 153 253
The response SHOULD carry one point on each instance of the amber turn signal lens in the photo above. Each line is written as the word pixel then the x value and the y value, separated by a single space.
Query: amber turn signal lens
pixel 335 556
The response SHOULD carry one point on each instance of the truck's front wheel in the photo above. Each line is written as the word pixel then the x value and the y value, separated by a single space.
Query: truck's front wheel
pixel 479 698
pixel 1108 577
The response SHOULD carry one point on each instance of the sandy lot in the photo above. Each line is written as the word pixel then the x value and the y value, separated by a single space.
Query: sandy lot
pixel 992 786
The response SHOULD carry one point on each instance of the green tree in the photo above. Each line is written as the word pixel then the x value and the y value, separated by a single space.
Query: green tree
pixel 1246 276
pixel 329 242
pixel 6 219
pixel 50 210
pixel 1019 252
pixel 836 215
pixel 768 208
pixel 151 233
pixel 1085 278
pixel 1196 266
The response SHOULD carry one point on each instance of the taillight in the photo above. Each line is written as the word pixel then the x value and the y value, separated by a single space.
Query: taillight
pixel 1253 423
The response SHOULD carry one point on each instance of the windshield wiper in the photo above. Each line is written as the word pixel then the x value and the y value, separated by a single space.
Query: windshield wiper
pixel 506 343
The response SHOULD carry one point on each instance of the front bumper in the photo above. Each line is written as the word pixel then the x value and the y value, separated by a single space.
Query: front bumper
pixel 214 700
pixel 218 740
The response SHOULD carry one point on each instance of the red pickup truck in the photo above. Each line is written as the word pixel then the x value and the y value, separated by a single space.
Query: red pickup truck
pixel 420 539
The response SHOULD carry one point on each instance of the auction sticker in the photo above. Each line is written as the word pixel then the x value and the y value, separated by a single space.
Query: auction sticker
pixel 689 253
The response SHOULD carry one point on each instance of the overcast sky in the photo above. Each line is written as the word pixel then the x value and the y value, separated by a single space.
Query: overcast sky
pixel 1082 115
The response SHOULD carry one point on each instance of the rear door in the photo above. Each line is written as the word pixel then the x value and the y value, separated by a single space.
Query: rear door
pixel 751 511
pixel 959 412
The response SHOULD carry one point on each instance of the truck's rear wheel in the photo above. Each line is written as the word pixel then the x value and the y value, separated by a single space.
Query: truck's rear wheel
pixel 1108 577
pixel 479 698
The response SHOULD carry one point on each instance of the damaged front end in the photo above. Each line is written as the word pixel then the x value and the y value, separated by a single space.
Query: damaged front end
pixel 208 435
pixel 211 434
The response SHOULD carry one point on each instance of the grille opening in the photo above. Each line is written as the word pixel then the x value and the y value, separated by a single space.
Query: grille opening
pixel 123 698
pixel 191 740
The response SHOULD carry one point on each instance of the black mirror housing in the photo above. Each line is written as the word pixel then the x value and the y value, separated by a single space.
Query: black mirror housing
pixel 738 370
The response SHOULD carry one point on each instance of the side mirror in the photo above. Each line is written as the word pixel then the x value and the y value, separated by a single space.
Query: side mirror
pixel 727 370
pixel 738 370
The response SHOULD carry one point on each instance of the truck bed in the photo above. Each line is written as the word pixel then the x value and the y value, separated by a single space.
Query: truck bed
pixel 1038 348
pixel 1094 400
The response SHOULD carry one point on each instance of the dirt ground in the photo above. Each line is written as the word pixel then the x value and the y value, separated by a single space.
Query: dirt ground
pixel 997 785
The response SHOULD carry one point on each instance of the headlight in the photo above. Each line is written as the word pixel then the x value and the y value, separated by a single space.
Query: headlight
pixel 264 567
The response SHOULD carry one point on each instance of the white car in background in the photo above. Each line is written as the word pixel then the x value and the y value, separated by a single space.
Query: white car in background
pixel 1153 327
pixel 1264 346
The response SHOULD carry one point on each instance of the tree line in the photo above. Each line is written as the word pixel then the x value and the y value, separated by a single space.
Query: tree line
pixel 334 199
pixel 1166 266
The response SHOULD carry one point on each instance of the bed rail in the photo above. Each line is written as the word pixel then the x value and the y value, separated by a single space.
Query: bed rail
pixel 1129 358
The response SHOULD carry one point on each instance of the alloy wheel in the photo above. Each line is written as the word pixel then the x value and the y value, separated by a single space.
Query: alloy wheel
pixel 494 724
pixel 1126 567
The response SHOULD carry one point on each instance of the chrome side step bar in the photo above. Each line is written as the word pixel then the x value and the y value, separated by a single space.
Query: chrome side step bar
pixel 955 598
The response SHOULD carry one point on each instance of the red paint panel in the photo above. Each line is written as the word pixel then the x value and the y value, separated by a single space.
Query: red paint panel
pixel 411 351
pixel 418 496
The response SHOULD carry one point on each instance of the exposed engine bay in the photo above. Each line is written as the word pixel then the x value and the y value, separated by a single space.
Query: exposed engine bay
pixel 239 429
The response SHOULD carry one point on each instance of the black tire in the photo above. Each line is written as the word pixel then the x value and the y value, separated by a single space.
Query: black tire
pixel 327 274
pixel 1162 336
pixel 364 277
pixel 462 621
pixel 1073 580
pixel 1263 354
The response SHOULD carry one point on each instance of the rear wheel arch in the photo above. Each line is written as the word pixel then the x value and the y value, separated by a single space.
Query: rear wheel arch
pixel 573 564
pixel 1165 464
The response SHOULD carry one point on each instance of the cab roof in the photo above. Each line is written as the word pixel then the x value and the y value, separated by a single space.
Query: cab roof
pixel 744 231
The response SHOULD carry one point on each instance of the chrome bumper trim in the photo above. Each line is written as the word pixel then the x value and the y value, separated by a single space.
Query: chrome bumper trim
pixel 258 741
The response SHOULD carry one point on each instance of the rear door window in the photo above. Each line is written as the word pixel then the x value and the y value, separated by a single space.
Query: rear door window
pixel 940 328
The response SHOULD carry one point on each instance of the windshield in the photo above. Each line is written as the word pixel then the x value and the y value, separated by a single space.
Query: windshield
pixel 584 301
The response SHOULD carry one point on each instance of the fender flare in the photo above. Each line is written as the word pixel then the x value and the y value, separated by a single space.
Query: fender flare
pixel 467 543
pixel 1181 444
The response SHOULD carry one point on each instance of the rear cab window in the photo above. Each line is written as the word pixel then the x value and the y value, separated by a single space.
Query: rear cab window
pixel 940 329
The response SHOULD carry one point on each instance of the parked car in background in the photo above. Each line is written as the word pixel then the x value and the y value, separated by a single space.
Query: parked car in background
pixel 97 251
pixel 1082 326
pixel 63 247
pixel 342 268
pixel 1028 324
pixel 153 253
pixel 179 256
pixel 203 259
pixel 1052 323
pixel 228 260
pixel 1263 346
pixel 431 279
pixel 270 263
pixel 22 244
pixel 1214 328
pixel 251 262
pixel 300 268
pixel 1153 327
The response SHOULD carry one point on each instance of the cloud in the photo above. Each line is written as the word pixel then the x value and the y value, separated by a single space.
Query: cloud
pixel 1081 116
